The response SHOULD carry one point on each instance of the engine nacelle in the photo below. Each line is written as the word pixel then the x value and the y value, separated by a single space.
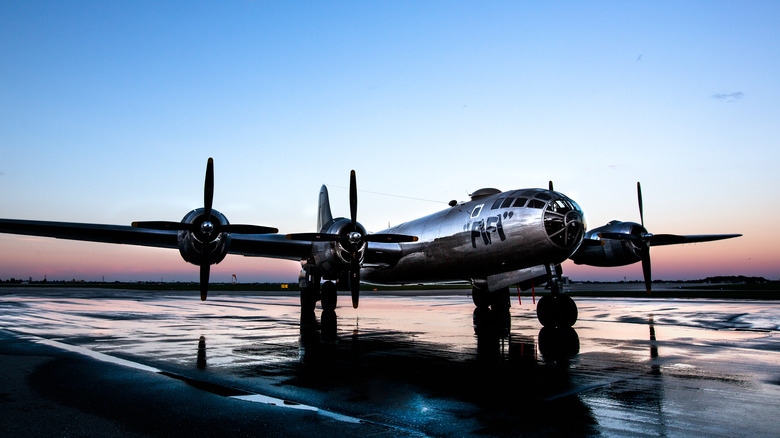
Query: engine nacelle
pixel 197 247
pixel 613 252
pixel 333 258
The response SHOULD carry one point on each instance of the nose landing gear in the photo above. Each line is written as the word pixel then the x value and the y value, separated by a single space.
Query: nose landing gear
pixel 557 309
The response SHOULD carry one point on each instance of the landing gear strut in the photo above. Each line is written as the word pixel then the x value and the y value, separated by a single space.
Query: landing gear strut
pixel 310 289
pixel 557 309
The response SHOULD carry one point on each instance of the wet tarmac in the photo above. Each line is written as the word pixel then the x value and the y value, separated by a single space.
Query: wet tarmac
pixel 139 363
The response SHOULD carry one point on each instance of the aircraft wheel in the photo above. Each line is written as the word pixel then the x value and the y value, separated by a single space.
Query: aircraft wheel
pixel 499 300
pixel 329 297
pixel 309 297
pixel 481 297
pixel 557 311
pixel 545 311
pixel 567 311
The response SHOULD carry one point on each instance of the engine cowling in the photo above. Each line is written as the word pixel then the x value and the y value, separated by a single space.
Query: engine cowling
pixel 205 245
pixel 333 258
pixel 612 252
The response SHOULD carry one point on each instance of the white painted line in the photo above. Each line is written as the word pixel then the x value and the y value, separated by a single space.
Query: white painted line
pixel 257 398
pixel 95 355
pixel 254 398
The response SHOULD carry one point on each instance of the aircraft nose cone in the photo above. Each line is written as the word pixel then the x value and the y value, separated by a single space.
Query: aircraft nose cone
pixel 575 228
pixel 564 228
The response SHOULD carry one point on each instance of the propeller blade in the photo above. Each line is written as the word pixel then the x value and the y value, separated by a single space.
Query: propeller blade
pixel 208 188
pixel 204 280
pixel 162 225
pixel 354 279
pixel 248 229
pixel 641 207
pixel 313 237
pixel 646 270
pixel 390 238
pixel 353 197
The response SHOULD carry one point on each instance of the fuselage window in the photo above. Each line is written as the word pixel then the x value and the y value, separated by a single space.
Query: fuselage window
pixel 519 202
pixel 507 202
pixel 535 203
pixel 543 196
pixel 497 203
pixel 476 211
pixel 560 206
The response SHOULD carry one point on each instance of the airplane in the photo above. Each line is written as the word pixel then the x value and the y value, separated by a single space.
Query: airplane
pixel 493 241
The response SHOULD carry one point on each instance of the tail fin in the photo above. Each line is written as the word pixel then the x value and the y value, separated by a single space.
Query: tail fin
pixel 324 216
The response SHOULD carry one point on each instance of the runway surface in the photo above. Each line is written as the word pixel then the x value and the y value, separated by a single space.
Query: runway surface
pixel 86 362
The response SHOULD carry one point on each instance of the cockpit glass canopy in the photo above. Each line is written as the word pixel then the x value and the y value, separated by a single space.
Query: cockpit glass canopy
pixel 564 222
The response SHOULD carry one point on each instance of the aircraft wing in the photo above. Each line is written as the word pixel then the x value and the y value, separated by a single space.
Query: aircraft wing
pixel 674 239
pixel 275 246
pixel 91 232
pixel 266 245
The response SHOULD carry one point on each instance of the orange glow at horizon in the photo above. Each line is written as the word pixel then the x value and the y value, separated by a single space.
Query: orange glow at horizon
pixel 23 257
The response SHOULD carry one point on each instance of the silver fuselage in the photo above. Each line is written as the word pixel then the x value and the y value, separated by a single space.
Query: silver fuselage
pixel 479 238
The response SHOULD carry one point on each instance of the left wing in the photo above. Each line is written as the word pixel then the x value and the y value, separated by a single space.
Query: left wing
pixel 91 232
pixel 251 245
pixel 204 237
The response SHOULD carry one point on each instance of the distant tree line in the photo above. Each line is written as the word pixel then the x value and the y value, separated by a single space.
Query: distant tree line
pixel 735 279
pixel 723 279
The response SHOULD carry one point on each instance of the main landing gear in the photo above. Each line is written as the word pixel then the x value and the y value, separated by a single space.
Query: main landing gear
pixel 312 291
pixel 556 310
pixel 496 300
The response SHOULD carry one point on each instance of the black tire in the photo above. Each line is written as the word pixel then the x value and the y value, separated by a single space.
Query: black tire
pixel 557 311
pixel 546 311
pixel 329 297
pixel 567 311
pixel 480 297
pixel 309 297
pixel 499 300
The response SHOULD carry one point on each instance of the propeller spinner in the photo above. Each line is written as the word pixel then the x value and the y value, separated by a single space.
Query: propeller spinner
pixel 206 227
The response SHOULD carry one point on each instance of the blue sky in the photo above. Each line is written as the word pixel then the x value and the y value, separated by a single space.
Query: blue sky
pixel 109 110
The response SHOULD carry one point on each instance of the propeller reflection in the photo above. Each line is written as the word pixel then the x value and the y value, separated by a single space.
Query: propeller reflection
pixel 200 363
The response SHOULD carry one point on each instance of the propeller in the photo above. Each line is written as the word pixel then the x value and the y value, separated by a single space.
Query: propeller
pixel 642 240
pixel 645 241
pixel 206 227
pixel 353 240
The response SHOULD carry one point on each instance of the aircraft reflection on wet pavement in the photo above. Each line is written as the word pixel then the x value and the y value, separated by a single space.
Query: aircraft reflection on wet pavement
pixel 388 368
pixel 436 366
pixel 493 241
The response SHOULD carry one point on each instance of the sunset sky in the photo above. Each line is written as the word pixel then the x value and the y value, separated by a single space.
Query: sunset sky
pixel 109 111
